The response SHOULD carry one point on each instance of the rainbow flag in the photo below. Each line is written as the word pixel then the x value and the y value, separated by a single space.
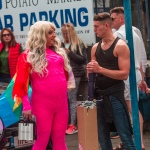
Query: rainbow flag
pixel 8 114
pixel 10 100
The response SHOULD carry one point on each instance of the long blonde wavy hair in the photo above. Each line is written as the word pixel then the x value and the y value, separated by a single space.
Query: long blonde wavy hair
pixel 73 38
pixel 36 44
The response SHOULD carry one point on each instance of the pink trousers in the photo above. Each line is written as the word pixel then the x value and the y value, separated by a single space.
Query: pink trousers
pixel 51 122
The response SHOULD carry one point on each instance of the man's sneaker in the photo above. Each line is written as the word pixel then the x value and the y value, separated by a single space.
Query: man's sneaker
pixel 114 135
pixel 71 129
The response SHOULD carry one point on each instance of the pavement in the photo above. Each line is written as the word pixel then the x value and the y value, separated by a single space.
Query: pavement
pixel 72 141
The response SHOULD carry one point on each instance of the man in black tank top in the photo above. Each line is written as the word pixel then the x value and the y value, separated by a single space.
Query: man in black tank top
pixel 110 60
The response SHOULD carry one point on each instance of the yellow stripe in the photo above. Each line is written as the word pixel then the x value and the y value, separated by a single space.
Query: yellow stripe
pixel 17 103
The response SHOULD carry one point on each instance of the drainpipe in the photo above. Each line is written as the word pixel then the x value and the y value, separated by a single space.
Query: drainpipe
pixel 132 76
pixel 148 27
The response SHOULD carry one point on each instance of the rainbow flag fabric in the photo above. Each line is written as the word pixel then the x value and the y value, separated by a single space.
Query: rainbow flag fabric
pixel 10 100
pixel 8 114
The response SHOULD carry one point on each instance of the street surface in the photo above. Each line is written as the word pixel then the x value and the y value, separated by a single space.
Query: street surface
pixel 72 141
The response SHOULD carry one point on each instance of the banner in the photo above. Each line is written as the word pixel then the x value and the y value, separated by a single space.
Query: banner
pixel 19 15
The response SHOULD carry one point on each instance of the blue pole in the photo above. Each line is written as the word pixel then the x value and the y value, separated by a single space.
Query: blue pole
pixel 148 27
pixel 132 76
pixel 139 15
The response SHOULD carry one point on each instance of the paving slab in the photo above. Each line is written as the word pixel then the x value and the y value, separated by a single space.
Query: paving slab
pixel 72 141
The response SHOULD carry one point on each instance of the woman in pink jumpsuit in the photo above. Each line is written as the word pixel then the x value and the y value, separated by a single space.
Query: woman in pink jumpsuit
pixel 48 65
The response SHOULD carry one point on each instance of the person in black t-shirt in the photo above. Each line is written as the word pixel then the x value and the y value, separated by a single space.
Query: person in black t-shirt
pixel 110 60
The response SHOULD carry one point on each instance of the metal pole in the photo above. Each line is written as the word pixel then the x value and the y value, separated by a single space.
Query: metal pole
pixel 132 76
pixel 96 7
pixel 139 15
pixel 121 3
pixel 97 39
pixel 148 27
pixel 111 3
pixel 104 8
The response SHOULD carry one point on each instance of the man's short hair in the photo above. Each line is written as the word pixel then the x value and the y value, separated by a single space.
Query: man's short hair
pixel 102 16
pixel 117 10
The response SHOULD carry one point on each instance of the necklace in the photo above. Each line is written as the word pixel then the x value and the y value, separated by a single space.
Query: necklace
pixel 109 43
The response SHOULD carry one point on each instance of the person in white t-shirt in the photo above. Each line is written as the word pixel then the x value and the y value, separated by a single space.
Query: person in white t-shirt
pixel 118 23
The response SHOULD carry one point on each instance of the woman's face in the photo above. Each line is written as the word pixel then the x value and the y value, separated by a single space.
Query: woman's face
pixel 65 35
pixel 6 36
pixel 51 35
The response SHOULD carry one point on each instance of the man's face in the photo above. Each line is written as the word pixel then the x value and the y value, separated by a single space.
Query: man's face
pixel 99 29
pixel 116 20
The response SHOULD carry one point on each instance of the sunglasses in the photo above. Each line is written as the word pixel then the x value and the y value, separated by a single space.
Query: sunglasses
pixel 113 18
pixel 4 35
pixel 66 25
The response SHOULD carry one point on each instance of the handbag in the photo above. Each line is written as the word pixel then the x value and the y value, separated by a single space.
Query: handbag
pixel 26 130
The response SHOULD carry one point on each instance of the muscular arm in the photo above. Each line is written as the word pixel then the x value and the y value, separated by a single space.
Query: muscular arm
pixel 93 51
pixel 122 52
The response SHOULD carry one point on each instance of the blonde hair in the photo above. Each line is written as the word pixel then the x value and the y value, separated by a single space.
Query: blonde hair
pixel 74 40
pixel 36 44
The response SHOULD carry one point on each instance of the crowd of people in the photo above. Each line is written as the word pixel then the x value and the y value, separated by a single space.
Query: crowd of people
pixel 46 63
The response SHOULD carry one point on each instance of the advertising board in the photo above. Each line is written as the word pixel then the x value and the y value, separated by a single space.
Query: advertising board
pixel 19 15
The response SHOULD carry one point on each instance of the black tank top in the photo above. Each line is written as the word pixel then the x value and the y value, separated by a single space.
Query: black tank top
pixel 106 59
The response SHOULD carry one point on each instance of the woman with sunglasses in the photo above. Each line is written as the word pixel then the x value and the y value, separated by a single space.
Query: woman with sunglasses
pixel 9 53
pixel 76 51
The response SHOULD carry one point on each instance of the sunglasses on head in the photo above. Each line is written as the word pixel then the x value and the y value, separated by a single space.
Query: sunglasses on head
pixel 4 35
